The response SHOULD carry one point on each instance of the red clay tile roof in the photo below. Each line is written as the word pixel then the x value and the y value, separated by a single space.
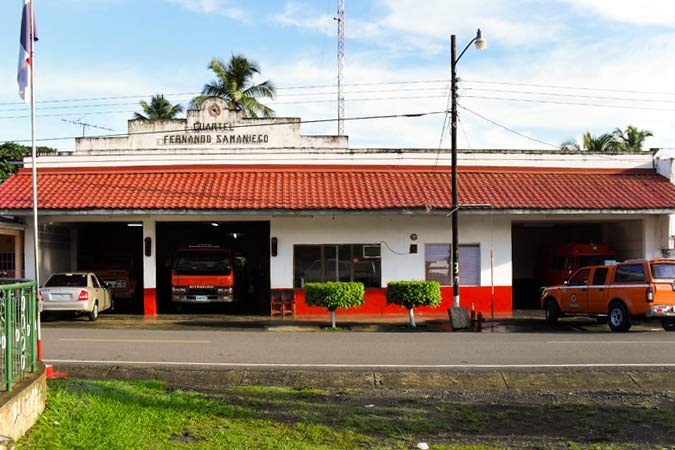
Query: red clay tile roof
pixel 336 188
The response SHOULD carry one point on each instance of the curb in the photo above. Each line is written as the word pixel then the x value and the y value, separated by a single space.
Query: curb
pixel 446 379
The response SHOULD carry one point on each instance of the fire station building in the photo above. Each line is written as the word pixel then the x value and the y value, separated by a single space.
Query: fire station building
pixel 295 208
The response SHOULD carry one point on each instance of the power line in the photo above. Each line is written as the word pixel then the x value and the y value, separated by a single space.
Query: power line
pixel 578 88
pixel 507 128
pixel 554 94
pixel 380 83
pixel 295 122
pixel 553 102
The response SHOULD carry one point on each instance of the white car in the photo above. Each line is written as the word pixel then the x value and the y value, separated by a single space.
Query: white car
pixel 80 292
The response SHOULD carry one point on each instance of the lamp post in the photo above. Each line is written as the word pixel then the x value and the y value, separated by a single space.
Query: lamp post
pixel 480 44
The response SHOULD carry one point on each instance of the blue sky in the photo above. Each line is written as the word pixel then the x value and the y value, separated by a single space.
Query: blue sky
pixel 619 56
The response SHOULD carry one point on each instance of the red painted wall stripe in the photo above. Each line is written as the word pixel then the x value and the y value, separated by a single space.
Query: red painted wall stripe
pixel 376 302
pixel 150 302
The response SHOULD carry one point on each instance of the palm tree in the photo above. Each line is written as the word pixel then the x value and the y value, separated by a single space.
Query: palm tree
pixel 233 84
pixel 632 138
pixel 158 109
pixel 603 143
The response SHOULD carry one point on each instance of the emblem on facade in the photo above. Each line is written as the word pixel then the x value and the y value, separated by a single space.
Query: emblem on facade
pixel 214 110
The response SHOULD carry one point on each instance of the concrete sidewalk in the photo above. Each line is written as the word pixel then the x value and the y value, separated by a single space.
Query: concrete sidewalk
pixel 516 321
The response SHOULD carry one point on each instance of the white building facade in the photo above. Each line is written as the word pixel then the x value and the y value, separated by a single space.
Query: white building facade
pixel 298 208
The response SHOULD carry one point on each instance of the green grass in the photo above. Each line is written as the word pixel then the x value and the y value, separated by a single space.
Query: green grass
pixel 87 414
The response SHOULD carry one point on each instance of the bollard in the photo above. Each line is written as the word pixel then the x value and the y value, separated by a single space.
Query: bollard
pixel 479 322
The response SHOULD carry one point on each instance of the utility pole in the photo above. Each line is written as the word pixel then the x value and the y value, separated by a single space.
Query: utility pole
pixel 480 44
pixel 340 63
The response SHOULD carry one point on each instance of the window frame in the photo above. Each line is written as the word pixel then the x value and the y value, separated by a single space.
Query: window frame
pixel 479 268
pixel 356 256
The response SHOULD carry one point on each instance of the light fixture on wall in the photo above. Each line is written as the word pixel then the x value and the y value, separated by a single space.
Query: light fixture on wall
pixel 274 245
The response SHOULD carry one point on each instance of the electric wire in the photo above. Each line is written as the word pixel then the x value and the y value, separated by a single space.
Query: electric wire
pixel 267 124
pixel 382 83
pixel 507 128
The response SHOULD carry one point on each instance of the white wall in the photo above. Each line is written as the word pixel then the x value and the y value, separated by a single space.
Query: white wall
pixel 394 235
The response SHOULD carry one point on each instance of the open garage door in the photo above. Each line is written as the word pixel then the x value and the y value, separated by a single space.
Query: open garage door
pixel 113 251
pixel 249 245
pixel 532 240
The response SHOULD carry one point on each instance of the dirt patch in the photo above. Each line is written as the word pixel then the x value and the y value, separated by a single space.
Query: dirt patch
pixel 506 419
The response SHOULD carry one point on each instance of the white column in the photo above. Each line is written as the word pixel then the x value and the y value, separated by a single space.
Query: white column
pixel 149 262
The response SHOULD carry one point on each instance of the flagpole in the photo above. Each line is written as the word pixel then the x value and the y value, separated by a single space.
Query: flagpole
pixel 34 173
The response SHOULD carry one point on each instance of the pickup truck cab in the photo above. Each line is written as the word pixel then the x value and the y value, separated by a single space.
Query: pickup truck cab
pixel 619 292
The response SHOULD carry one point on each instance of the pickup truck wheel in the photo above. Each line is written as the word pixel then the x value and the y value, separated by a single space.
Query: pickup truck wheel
pixel 668 324
pixel 552 312
pixel 618 317
pixel 93 315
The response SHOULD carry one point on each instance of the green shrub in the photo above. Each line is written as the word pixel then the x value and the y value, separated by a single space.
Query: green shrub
pixel 334 295
pixel 411 294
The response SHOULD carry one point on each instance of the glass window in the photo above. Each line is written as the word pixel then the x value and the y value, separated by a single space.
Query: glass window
pixel 663 271
pixel 94 282
pixel 580 278
pixel 202 262
pixel 600 276
pixel 629 273
pixel 67 280
pixel 344 262
pixel 438 267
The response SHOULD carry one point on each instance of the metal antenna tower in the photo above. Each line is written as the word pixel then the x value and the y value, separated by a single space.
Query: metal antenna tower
pixel 85 125
pixel 341 62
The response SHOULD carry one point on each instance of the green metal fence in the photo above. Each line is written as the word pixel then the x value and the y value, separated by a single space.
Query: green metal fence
pixel 18 330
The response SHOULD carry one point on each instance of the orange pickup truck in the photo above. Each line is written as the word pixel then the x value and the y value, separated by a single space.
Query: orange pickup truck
pixel 618 292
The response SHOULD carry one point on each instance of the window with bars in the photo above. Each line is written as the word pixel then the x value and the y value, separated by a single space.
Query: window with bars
pixel 438 264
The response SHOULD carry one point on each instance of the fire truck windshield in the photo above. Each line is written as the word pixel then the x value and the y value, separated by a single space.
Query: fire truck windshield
pixel 202 263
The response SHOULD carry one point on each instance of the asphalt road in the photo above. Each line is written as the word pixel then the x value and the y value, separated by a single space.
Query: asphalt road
pixel 211 348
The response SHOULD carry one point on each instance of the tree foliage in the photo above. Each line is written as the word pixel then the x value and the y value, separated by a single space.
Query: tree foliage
pixel 334 294
pixel 600 144
pixel 629 140
pixel 411 294
pixel 234 84
pixel 11 154
pixel 158 109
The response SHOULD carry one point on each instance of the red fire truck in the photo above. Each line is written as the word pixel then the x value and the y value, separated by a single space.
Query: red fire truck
pixel 556 264
pixel 202 274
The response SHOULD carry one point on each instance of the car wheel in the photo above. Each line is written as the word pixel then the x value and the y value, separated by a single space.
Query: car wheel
pixel 552 312
pixel 668 324
pixel 93 315
pixel 618 317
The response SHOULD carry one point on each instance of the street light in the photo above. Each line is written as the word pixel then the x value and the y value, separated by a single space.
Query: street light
pixel 480 44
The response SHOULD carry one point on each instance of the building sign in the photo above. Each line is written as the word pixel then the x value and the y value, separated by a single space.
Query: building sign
pixel 214 124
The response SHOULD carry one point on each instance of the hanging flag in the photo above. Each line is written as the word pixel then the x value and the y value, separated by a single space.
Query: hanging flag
pixel 26 49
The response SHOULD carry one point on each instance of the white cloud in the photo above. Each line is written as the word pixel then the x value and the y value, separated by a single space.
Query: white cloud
pixel 220 7
pixel 648 12
pixel 411 25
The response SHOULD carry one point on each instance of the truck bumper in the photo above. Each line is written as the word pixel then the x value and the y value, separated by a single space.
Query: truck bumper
pixel 658 311
pixel 202 298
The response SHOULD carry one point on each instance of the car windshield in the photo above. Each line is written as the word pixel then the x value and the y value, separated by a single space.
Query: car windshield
pixel 663 271
pixel 67 280
pixel 202 263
